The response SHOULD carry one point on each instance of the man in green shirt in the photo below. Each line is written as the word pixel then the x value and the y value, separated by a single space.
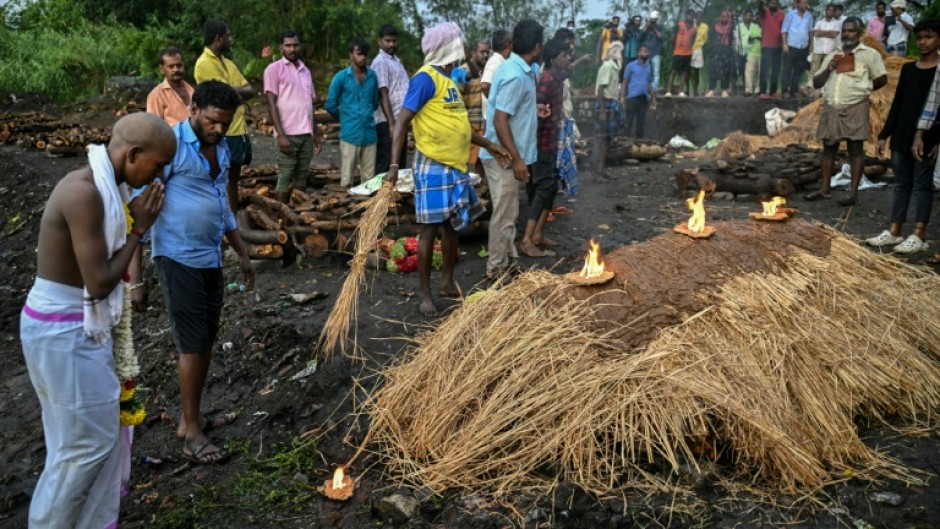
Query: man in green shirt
pixel 609 111
pixel 748 47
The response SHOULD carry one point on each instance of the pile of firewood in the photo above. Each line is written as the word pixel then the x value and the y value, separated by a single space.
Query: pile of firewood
pixel 317 219
pixel 313 221
pixel 38 130
pixel 775 171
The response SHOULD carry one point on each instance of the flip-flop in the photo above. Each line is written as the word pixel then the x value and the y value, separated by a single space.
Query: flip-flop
pixel 933 259
pixel 562 210
pixel 846 202
pixel 211 422
pixel 199 457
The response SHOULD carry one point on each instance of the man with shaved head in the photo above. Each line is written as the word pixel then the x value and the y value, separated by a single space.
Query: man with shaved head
pixel 85 244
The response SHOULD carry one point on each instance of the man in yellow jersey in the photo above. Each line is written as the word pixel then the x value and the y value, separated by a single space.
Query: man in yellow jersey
pixel 212 65
pixel 444 197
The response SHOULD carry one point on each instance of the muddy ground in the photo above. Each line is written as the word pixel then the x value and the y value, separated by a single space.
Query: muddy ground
pixel 290 434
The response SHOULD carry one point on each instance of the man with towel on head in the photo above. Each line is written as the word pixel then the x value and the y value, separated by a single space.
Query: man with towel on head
pixel 85 246
pixel 444 197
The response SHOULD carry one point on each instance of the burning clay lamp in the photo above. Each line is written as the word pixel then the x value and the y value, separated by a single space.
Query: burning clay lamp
pixel 772 211
pixel 695 227
pixel 593 272
pixel 340 488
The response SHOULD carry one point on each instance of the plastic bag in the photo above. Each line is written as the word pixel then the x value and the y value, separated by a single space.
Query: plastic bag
pixel 405 184
pixel 844 178
pixel 712 143
pixel 679 142
pixel 777 119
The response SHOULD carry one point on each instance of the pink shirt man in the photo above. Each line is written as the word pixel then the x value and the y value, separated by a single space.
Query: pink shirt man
pixel 295 93
pixel 876 28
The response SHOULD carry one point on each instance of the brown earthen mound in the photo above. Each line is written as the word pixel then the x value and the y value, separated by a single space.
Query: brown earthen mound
pixel 758 347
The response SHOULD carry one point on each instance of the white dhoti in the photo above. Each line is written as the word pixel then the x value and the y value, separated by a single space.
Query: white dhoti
pixel 74 379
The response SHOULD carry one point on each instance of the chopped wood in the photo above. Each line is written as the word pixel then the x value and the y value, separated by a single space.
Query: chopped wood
pixel 261 218
pixel 265 251
pixel 255 236
pixel 283 209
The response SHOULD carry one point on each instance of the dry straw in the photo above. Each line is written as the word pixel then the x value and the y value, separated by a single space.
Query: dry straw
pixel 521 387
pixel 345 313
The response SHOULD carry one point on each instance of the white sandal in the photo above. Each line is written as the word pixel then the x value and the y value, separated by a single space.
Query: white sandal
pixel 912 244
pixel 884 239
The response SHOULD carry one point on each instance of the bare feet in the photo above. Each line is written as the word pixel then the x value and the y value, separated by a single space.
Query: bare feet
pixel 530 249
pixel 427 307
pixel 450 290
pixel 544 241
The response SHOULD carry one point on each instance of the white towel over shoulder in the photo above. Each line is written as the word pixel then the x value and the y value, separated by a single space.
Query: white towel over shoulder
pixel 103 314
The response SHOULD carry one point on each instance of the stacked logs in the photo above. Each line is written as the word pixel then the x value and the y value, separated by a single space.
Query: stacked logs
pixel 313 221
pixel 775 171
pixel 38 130
pixel 320 218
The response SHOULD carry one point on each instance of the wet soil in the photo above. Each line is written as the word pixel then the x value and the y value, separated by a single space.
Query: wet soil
pixel 290 433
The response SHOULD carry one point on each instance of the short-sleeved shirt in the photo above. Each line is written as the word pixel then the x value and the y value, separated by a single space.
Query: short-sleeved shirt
pixel 685 36
pixel 608 77
pixel 550 91
pixel 824 45
pixel 442 131
pixel 390 74
pixel 354 104
pixel 165 102
pixel 797 27
pixel 631 41
pixel 701 36
pixel 897 33
pixel 653 42
pixel 770 25
pixel 638 78
pixel 513 92
pixel 844 89
pixel 293 86
pixel 211 67
pixel 875 28
pixel 745 45
pixel 489 71
pixel 196 212
pixel 472 94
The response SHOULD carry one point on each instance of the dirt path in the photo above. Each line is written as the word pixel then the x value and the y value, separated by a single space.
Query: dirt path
pixel 291 433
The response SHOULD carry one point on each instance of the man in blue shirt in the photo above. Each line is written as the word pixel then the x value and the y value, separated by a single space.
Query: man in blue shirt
pixel 797 33
pixel 512 121
pixel 353 99
pixel 636 91
pixel 187 253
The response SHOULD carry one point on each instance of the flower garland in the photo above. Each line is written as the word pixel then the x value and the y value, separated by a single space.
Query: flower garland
pixel 125 359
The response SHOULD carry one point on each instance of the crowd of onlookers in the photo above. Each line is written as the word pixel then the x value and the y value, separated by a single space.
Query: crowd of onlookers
pixel 764 52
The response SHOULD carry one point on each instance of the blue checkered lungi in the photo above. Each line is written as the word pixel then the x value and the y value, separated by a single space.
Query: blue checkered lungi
pixel 443 193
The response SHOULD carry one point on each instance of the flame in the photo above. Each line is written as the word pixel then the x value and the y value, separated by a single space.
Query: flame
pixel 338 479
pixel 770 208
pixel 593 263
pixel 697 207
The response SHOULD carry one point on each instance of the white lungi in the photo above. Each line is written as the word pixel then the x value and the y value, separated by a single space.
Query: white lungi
pixel 74 379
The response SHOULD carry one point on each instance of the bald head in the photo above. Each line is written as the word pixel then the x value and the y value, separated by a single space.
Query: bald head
pixel 143 130
pixel 141 145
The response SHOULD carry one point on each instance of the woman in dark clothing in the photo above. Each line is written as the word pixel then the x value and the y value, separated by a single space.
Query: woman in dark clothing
pixel 721 53
pixel 911 176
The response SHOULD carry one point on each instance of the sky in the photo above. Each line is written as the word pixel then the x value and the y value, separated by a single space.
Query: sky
pixel 595 9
